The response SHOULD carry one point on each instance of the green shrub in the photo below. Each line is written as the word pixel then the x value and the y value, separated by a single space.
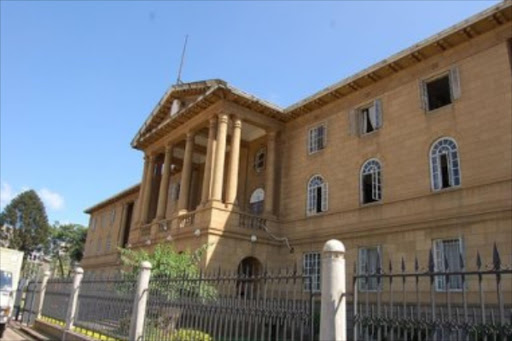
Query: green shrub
pixel 190 335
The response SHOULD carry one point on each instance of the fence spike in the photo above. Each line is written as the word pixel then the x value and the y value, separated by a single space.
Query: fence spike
pixel 390 266
pixel 378 268
pixel 461 261
pixel 446 265
pixel 416 264
pixel 403 264
pixel 478 260
pixel 496 261
pixel 431 265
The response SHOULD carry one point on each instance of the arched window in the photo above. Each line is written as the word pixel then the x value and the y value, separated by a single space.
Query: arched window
pixel 371 181
pixel 444 164
pixel 317 195
pixel 256 201
pixel 259 160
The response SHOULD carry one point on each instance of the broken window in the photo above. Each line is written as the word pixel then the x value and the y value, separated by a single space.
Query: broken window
pixel 317 195
pixel 444 164
pixel 371 182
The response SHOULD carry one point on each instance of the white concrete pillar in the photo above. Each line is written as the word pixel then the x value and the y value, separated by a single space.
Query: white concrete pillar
pixel 186 173
pixel 333 319
pixel 164 185
pixel 220 158
pixel 73 298
pixel 208 166
pixel 139 303
pixel 270 173
pixel 42 292
pixel 234 161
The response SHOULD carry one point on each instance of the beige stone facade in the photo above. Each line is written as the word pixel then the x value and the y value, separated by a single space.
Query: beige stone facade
pixel 208 148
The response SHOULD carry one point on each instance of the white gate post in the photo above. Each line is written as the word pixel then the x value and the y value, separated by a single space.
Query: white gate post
pixel 42 292
pixel 139 303
pixel 333 319
pixel 73 298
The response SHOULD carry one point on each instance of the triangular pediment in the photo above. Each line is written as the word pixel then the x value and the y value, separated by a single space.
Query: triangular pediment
pixel 178 97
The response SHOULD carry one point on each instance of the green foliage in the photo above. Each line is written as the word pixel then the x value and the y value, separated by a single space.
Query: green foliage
pixel 176 267
pixel 27 215
pixel 67 245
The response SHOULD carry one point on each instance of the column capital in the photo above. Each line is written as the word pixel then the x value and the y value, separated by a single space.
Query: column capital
pixel 223 117
pixel 213 121
pixel 271 134
pixel 237 121
pixel 149 157
pixel 169 147
pixel 190 135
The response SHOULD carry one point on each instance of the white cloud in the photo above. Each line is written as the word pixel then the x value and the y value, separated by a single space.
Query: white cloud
pixel 6 194
pixel 52 200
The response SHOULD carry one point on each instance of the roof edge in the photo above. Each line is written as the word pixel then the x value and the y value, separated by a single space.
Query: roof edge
pixel 113 198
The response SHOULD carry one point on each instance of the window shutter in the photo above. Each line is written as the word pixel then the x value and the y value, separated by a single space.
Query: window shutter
pixel 325 200
pixel 423 95
pixel 378 112
pixel 311 200
pixel 352 122
pixel 455 82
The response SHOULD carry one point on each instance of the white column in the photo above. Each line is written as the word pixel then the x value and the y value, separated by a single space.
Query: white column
pixel 234 161
pixel 73 298
pixel 220 157
pixel 270 173
pixel 164 185
pixel 42 293
pixel 208 167
pixel 333 319
pixel 139 302
pixel 186 173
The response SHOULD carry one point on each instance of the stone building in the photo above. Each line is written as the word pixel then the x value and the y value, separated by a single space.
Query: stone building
pixel 412 153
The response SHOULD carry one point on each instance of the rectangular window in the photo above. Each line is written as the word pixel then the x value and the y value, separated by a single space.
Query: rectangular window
pixel 311 269
pixel 440 91
pixel 448 252
pixel 369 262
pixel 369 118
pixel 317 138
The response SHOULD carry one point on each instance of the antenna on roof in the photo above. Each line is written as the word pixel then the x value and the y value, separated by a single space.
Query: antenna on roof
pixel 178 80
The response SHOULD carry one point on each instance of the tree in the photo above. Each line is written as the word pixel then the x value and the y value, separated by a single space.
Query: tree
pixel 27 215
pixel 67 245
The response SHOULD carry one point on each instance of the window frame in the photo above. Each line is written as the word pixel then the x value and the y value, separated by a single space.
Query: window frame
pixel 451 170
pixel 375 186
pixel 310 140
pixel 360 250
pixel 324 199
pixel 262 201
pixel 453 85
pixel 377 104
pixel 316 285
pixel 440 280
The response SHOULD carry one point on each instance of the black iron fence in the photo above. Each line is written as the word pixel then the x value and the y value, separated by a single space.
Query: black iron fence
pixel 105 307
pixel 433 304
pixel 229 306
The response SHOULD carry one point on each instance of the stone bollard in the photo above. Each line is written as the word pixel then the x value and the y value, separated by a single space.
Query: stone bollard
pixel 333 319
pixel 139 303
pixel 73 298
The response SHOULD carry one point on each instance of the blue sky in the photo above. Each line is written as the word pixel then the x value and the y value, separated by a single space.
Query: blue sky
pixel 77 78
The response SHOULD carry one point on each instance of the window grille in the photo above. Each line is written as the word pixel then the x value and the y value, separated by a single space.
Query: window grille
pixel 317 138
pixel 311 269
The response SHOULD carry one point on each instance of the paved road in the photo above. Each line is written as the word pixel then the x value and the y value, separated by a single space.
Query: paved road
pixel 14 335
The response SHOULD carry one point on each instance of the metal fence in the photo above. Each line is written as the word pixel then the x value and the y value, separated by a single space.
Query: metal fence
pixel 229 306
pixel 429 304
pixel 105 306
pixel 56 298
pixel 30 299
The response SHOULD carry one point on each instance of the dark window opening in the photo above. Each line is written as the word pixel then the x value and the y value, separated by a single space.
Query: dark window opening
pixel 438 92
pixel 367 189
pixel 367 123
pixel 445 177
pixel 319 199
pixel 127 224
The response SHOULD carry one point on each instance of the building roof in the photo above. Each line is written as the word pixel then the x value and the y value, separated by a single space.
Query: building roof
pixel 208 92
pixel 114 198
